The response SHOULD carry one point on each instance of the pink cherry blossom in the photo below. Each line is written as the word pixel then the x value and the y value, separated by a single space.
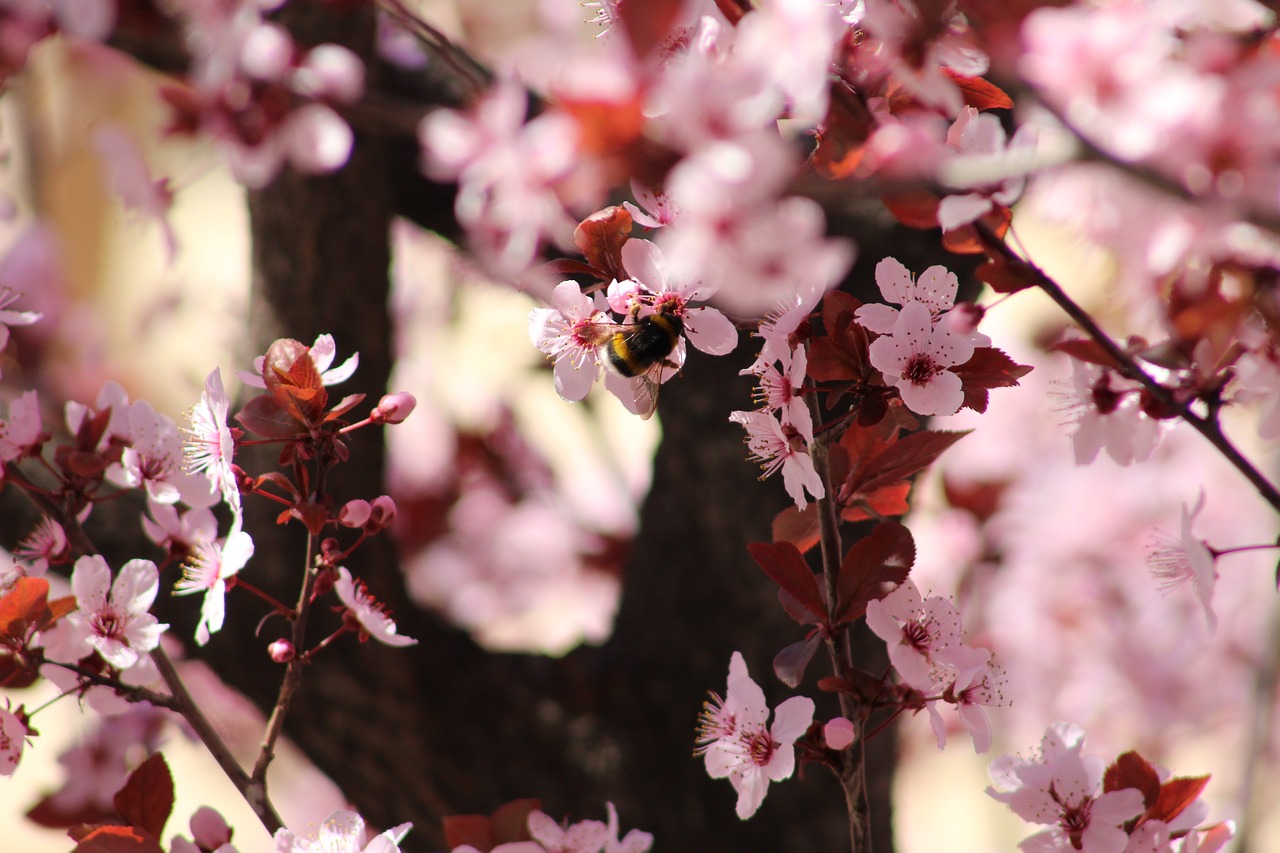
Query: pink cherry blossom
pixel 915 358
pixel 113 397
pixel 781 390
pixel 13 736
pixel 909 48
pixel 969 680
pixel 778 325
pixel 1186 558
pixel 789 43
pixel 634 841
pixel 112 617
pixel 915 629
pixel 564 332
pixel 1062 788
pixel 777 447
pixel 46 544
pixel 367 611
pixel 153 458
pixel 322 354
pixel 935 288
pixel 980 144
pixel 1107 413
pixel 1258 375
pixel 10 317
pixel 587 836
pixel 209 567
pixel 343 831
pixel 20 434
pixel 738 234
pixel 210 446
pixel 98 763
pixel 125 170
pixel 510 173
pixel 736 744
pixel 178 533
pixel 654 209
pixel 705 327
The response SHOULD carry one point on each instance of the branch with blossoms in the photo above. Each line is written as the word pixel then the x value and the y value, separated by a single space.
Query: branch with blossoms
pixel 101 643
pixel 684 102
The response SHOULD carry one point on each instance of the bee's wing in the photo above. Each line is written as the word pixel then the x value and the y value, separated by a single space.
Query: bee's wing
pixel 646 396
pixel 639 394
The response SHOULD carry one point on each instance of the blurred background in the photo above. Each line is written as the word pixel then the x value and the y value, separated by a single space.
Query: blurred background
pixel 1046 560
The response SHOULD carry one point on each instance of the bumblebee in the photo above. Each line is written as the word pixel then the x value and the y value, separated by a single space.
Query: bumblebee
pixel 640 351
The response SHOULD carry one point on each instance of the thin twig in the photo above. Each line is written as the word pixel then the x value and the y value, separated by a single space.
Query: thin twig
pixel 852 773
pixel 254 795
pixel 1207 426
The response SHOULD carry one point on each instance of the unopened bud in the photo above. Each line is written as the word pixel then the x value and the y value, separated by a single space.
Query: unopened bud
pixel 383 512
pixel 354 513
pixel 281 651
pixel 838 733
pixel 393 408
pixel 964 318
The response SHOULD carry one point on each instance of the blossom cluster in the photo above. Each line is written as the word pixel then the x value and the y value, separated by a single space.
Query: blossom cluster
pixel 1087 805
pixel 924 636
pixel 737 742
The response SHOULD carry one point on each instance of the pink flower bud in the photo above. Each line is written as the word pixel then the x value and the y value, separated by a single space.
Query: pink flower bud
pixel 393 408
pixel 964 318
pixel 208 829
pixel 281 651
pixel 354 513
pixel 383 513
pixel 838 733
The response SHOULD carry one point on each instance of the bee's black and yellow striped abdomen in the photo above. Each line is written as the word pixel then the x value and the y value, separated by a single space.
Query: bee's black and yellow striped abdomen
pixel 633 351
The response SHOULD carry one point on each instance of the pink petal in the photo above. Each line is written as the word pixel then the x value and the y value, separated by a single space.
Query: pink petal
pixel 710 331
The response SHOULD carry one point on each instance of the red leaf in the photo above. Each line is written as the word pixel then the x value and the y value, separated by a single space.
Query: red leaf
pixel 312 515
pixel 913 208
pixel 147 797
pixel 797 526
pixel 118 839
pixel 344 405
pixel 842 354
pixel 988 368
pixel 783 562
pixel 45 813
pixel 17 672
pixel 979 93
pixel 605 126
pixel 1175 796
pixel 23 607
pixel 967 240
pixel 840 139
pixel 568 266
pixel 648 24
pixel 1131 770
pixel 509 822
pixel 881 467
pixel 1086 350
pixel 1009 276
pixel 883 558
pixel 789 664
pixel 600 237
pixel 264 417
pixel 294 381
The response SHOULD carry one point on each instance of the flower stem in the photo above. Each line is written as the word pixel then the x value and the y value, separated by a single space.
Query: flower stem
pixel 852 771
